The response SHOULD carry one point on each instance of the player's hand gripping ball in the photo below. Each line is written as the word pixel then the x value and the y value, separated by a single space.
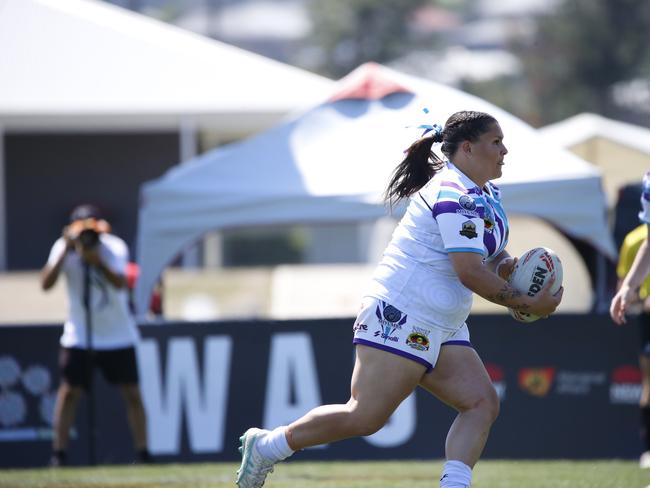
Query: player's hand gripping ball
pixel 532 271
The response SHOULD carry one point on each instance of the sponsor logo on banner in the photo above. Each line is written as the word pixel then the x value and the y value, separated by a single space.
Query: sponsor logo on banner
pixel 498 379
pixel 578 383
pixel 468 230
pixel 536 381
pixel 26 402
pixel 625 385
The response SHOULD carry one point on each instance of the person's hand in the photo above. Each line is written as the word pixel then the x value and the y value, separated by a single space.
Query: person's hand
pixel 545 302
pixel 621 303
pixel 505 267
pixel 67 237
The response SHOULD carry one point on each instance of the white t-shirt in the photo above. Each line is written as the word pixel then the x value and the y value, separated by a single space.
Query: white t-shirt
pixel 449 214
pixel 644 214
pixel 113 326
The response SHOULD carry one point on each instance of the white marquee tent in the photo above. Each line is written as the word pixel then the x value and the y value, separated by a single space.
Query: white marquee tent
pixel 87 63
pixel 89 66
pixel 331 164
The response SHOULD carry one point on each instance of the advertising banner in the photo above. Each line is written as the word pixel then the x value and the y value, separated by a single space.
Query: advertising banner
pixel 569 388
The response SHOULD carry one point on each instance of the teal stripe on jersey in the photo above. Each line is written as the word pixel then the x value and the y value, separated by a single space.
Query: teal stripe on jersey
pixel 455 195
pixel 466 249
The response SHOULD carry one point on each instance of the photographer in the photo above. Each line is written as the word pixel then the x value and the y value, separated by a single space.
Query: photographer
pixel 94 263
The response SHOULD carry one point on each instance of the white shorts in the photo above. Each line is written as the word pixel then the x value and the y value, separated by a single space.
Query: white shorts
pixel 383 326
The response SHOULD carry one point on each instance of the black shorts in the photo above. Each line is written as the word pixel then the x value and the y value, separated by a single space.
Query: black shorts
pixel 117 365
pixel 644 330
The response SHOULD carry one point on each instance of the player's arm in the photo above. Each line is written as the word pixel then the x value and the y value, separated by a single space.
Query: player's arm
pixel 503 264
pixel 475 275
pixel 629 289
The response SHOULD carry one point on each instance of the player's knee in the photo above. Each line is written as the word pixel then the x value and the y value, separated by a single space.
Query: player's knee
pixel 486 404
pixel 489 404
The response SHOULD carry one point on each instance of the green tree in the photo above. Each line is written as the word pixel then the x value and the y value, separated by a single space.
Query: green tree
pixel 348 33
pixel 581 50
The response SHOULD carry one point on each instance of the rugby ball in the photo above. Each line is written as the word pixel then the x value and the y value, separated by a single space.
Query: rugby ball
pixel 532 271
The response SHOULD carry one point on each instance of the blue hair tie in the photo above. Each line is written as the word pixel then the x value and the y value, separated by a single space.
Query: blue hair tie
pixel 436 128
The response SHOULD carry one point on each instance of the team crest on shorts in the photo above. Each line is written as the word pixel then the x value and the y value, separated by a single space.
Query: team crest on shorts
pixel 469 230
pixel 390 319
pixel 418 339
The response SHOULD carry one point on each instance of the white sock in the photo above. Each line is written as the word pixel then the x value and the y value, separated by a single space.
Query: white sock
pixel 274 445
pixel 456 474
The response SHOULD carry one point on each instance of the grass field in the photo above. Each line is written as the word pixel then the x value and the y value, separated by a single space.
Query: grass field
pixel 394 474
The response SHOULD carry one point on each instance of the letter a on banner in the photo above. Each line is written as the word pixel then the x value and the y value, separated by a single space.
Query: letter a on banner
pixel 292 373
pixel 202 402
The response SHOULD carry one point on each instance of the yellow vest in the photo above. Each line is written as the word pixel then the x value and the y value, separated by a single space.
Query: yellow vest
pixel 629 248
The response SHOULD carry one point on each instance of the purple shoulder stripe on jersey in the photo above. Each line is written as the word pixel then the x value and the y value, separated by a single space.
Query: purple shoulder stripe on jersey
pixel 490 243
pixel 499 220
pixel 454 185
pixel 454 207
pixel 451 184
pixel 399 352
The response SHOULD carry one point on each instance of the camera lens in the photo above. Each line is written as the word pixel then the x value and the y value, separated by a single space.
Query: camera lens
pixel 89 238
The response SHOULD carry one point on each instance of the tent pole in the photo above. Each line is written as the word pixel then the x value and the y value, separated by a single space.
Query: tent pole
pixel 3 205
pixel 188 145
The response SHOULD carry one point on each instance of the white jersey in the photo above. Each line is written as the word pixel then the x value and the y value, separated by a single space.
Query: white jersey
pixel 449 214
pixel 113 326
pixel 644 214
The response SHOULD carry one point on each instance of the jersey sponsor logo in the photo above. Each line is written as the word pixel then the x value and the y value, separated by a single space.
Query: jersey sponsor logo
pixel 467 202
pixel 468 230
pixel 359 328
pixel 489 218
pixel 390 319
pixel 467 213
pixel 418 339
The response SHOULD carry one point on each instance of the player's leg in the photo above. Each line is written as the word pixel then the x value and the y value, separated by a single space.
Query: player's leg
pixel 460 380
pixel 119 367
pixel 644 401
pixel 75 370
pixel 380 382
pixel 137 418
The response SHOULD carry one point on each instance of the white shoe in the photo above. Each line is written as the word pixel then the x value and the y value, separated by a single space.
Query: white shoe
pixel 254 468
pixel 644 460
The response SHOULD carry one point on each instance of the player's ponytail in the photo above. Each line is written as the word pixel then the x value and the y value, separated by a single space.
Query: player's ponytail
pixel 416 169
